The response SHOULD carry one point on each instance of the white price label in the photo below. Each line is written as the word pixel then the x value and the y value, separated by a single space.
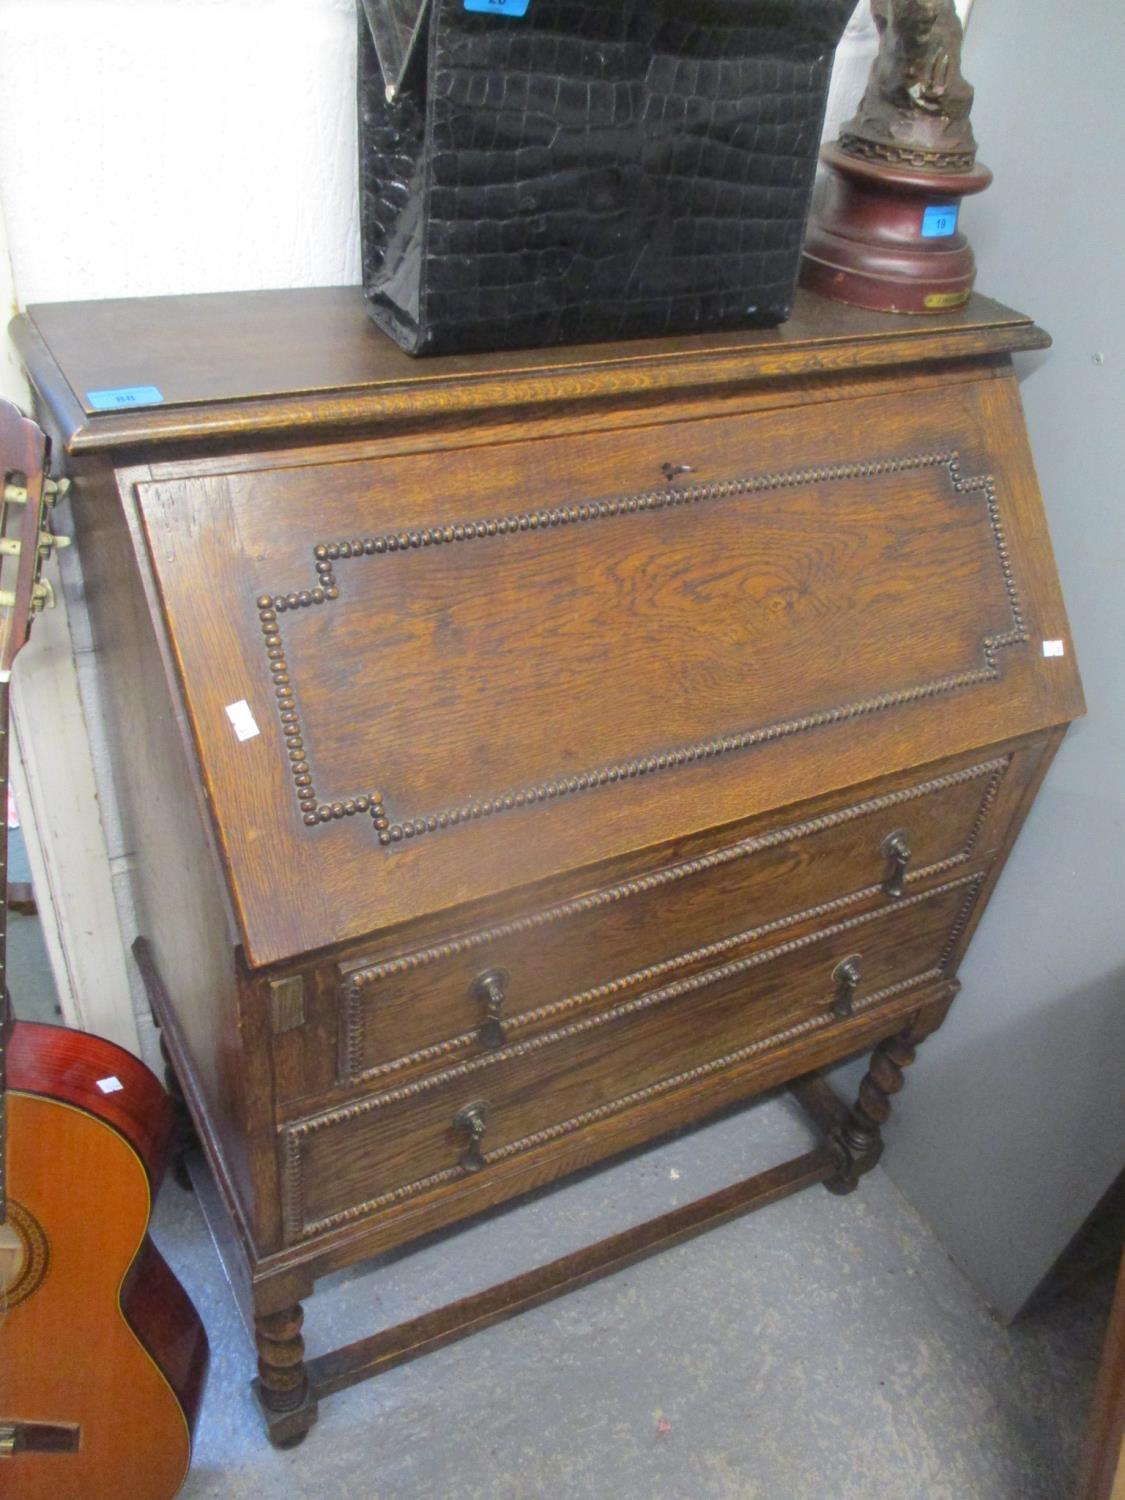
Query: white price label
pixel 245 725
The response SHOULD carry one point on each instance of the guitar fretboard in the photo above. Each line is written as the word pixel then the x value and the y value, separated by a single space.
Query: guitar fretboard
pixel 23 461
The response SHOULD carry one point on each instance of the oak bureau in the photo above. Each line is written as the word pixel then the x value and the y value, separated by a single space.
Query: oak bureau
pixel 527 755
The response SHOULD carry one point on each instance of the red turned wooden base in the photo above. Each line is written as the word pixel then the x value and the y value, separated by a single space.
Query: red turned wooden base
pixel 886 236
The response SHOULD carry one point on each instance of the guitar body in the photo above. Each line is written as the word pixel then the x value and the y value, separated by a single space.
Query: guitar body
pixel 102 1356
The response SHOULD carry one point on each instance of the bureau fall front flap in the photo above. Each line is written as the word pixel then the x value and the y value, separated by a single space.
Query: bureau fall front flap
pixel 418 681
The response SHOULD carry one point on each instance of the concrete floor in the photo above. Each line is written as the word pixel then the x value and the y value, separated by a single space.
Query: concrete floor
pixel 820 1349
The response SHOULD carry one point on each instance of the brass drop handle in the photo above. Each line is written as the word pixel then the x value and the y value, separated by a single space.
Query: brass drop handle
pixel 846 976
pixel 896 848
pixel 491 990
pixel 472 1121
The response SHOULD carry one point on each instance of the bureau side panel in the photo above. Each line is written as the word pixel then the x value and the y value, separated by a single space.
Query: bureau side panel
pixel 177 884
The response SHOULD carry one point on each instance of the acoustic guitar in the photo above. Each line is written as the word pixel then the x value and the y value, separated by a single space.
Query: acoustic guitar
pixel 102 1356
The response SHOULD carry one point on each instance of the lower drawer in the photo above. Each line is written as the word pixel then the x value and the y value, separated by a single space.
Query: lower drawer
pixel 351 1161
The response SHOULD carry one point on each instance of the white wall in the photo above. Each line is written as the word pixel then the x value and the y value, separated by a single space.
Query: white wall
pixel 1013 1123
pixel 53 778
pixel 152 146
pixel 13 387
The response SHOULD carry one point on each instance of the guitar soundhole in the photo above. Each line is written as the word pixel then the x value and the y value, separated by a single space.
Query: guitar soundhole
pixel 24 1256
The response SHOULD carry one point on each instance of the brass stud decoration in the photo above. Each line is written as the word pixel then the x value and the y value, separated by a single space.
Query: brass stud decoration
pixel 394 831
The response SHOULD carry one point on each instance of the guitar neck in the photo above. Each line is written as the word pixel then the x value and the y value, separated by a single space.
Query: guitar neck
pixel 23 544
pixel 7 1019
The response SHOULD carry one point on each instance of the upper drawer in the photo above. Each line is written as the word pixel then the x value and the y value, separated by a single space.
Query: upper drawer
pixel 429 1004
pixel 470 671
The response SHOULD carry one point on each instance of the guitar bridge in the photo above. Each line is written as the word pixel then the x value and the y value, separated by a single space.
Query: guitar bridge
pixel 39 1437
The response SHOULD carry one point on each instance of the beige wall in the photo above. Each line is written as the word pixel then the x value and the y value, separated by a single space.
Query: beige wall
pixel 1013 1120
pixel 12 384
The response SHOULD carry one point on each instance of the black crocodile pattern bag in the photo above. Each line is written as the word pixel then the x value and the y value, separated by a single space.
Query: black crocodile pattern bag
pixel 537 172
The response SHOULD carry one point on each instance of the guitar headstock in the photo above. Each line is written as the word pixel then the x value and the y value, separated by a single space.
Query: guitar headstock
pixel 24 538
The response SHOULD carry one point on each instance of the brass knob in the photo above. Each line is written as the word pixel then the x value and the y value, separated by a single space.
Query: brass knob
pixel 846 976
pixel 491 990
pixel 896 848
pixel 472 1121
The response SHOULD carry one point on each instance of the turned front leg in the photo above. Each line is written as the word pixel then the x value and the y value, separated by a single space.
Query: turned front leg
pixel 282 1386
pixel 859 1139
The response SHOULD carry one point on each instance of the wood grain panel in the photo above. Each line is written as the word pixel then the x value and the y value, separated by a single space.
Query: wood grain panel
pixel 270 363
pixel 419 1007
pixel 660 1113
pixel 472 671
pixel 359 1157
pixel 502 670
pixel 612 667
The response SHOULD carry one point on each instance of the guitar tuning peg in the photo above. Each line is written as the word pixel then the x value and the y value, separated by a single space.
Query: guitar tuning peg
pixel 54 490
pixel 47 540
pixel 42 596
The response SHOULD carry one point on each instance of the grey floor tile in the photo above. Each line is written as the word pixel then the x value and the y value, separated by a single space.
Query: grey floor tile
pixel 821 1349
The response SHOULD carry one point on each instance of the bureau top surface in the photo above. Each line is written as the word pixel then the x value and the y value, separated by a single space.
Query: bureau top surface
pixel 231 365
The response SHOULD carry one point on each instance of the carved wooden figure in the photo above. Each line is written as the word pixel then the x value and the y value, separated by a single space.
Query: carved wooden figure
pixel 528 755
pixel 915 109
pixel 886 232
